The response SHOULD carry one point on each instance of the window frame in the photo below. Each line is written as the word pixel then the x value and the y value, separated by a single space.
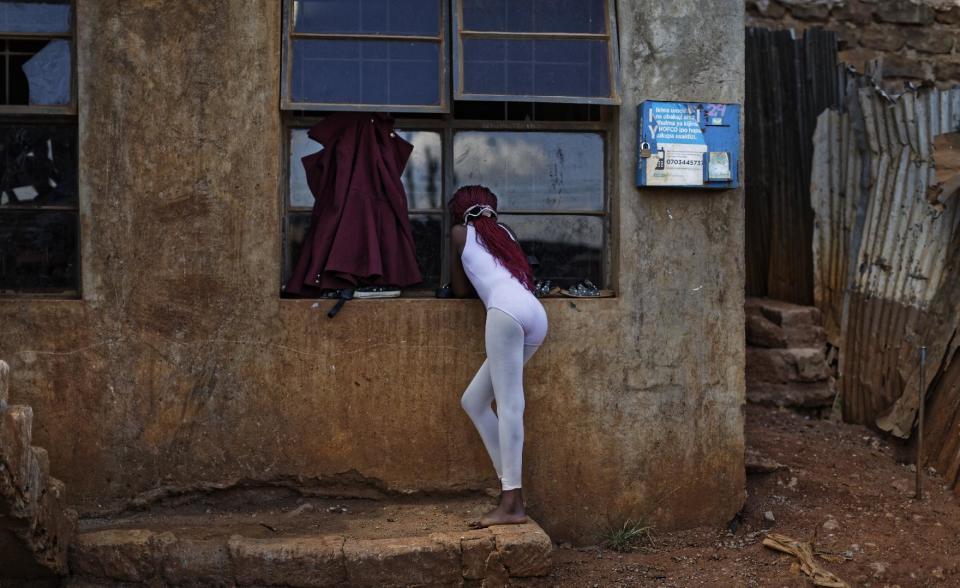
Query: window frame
pixel 48 120
pixel 286 65
pixel 71 37
pixel 448 126
pixel 458 33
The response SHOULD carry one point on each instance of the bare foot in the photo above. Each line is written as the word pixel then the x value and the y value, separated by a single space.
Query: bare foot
pixel 498 517
pixel 509 512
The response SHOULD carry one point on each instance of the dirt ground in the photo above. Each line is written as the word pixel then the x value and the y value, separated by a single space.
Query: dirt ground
pixel 840 488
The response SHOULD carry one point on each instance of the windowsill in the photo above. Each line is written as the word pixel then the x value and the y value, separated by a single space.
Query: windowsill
pixel 429 295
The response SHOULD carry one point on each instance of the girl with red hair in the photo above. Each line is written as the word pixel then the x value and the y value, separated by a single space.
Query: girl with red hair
pixel 488 260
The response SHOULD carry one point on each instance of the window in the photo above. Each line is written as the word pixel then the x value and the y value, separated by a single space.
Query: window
pixel 365 54
pixel 541 147
pixel 536 50
pixel 39 224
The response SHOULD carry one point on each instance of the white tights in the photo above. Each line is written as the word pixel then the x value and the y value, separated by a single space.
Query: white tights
pixel 500 378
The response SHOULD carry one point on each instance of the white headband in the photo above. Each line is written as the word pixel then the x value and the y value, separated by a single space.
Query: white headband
pixel 479 210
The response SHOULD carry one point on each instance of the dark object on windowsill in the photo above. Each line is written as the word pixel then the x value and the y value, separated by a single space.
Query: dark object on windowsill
pixel 345 294
pixel 377 292
pixel 444 291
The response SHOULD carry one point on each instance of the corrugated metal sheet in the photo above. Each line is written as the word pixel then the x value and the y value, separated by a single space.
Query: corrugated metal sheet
pixel 887 259
pixel 790 80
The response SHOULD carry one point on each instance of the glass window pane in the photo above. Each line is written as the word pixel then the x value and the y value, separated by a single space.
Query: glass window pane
pixel 568 248
pixel 366 72
pixel 39 252
pixel 300 146
pixel 535 16
pixel 533 170
pixel 46 16
pixel 39 165
pixel 297 225
pixel 47 75
pixel 394 17
pixel 428 240
pixel 421 179
pixel 536 68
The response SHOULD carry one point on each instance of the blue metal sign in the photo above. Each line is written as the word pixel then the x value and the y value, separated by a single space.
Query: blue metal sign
pixel 688 144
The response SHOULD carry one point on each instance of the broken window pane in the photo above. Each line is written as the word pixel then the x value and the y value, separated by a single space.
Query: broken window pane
pixel 48 74
pixel 39 165
pixel 39 252
pixel 36 16
pixel 421 177
pixel 366 72
pixel 427 239
pixel 569 248
pixel 36 72
pixel 533 170
pixel 395 17
pixel 535 16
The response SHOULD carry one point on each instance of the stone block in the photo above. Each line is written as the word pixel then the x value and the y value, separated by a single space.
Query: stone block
pixel 769 366
pixel 16 424
pixel 808 336
pixel 895 66
pixel 294 561
pixel 762 332
pixel 55 527
pixel 948 70
pixel 854 12
pixel 126 555
pixel 474 553
pixel 196 562
pixel 904 12
pixel 495 573
pixel 815 12
pixel 793 395
pixel 889 38
pixel 420 561
pixel 524 552
pixel 930 40
pixel 766 8
pixel 811 364
pixel 4 384
pixel 949 16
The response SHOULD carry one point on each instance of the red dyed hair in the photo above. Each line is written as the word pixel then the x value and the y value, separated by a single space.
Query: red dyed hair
pixel 497 240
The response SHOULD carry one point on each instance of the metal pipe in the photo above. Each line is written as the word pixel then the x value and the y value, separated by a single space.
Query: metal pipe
pixel 922 389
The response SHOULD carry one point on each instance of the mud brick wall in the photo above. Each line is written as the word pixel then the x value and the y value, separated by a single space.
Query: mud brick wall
pixel 912 41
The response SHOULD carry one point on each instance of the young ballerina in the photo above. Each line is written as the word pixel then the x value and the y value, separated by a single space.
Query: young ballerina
pixel 488 260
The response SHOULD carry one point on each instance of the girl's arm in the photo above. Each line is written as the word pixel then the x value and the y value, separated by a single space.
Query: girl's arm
pixel 459 283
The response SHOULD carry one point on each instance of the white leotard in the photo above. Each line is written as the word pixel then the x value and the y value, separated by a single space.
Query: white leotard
pixel 497 287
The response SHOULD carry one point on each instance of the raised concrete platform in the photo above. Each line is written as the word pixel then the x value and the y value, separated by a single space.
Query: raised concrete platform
pixel 266 538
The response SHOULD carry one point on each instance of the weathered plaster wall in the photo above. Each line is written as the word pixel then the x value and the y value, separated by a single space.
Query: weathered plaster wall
pixel 181 364
pixel 909 40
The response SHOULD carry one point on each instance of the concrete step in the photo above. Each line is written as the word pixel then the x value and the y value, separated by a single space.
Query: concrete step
pixel 294 541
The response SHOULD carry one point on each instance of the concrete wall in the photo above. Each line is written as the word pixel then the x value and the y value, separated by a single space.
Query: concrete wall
pixel 910 40
pixel 181 365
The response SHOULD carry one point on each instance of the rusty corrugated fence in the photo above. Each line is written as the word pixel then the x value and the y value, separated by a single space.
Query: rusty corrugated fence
pixel 790 80
pixel 886 250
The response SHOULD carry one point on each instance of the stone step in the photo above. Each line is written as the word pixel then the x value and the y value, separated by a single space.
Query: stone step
pixel 814 395
pixel 777 324
pixel 35 525
pixel 783 366
pixel 399 542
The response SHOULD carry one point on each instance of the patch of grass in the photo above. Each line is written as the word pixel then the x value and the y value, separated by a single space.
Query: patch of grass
pixel 630 537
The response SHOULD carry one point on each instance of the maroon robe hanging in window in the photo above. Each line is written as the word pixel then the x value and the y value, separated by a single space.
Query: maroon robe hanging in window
pixel 359 230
